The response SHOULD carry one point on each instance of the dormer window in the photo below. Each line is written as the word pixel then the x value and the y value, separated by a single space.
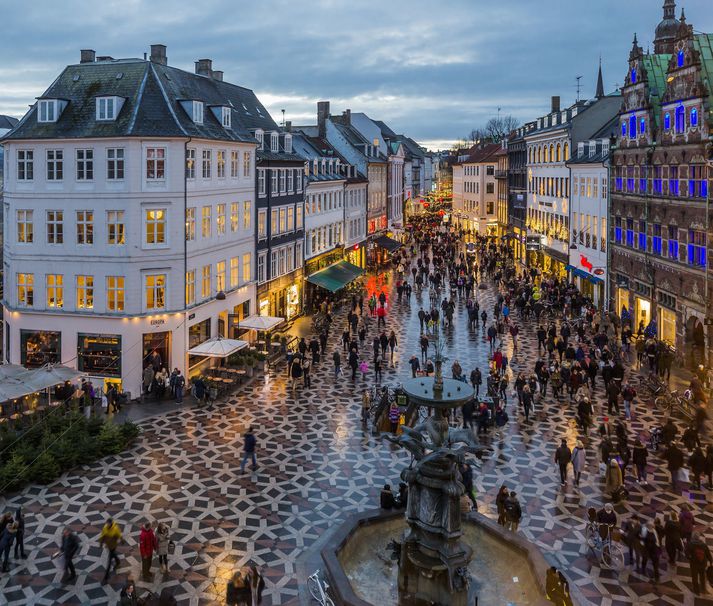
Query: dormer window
pixel 198 112
pixel 260 136
pixel 48 110
pixel 225 117
pixel 315 167
pixel 274 142
pixel 288 143
pixel 681 58
pixel 108 108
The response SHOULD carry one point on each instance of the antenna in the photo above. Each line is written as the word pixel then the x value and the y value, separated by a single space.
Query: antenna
pixel 283 116
pixel 579 86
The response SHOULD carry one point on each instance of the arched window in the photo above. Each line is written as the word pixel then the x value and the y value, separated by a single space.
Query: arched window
pixel 680 119
pixel 633 75
pixel 681 58
pixel 642 126
pixel 559 153
pixel 694 117
pixel 552 153
pixel 632 127
pixel 623 128
pixel 539 155
pixel 566 152
pixel 667 121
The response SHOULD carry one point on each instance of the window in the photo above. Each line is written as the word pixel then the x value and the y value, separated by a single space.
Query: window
pixel 697 248
pixel 198 112
pixel 290 181
pixel 260 136
pixel 220 219
pixel 680 119
pixel 55 229
pixel 115 163
pixel 273 221
pixel 261 224
pixel 490 170
pixel 156 226
pixel 206 163
pixel 642 126
pixel 673 188
pixel 225 117
pixel 25 165
pixel 656 239
pixel 693 119
pixel 234 271
pixel 48 110
pixel 115 293
pixel 283 227
pixel 298 178
pixel 697 184
pixel 632 127
pixel 190 224
pixel 247 214
pixel 298 254
pixel 290 218
pixel 85 164
pixel 274 142
pixel 190 287
pixel 54 165
pixel 489 188
pixel 25 290
pixel 261 268
pixel 220 163
pixel 283 186
pixel 658 180
pixel 603 233
pixel 234 216
pixel 220 276
pixel 55 291
pixel 667 121
pixel 298 222
pixel 673 242
pixel 155 163
pixel 25 230
pixel 246 164
pixel 206 221
pixel 680 58
pixel 106 108
pixel 155 289
pixel 630 233
pixel 190 163
pixel 115 226
pixel 642 236
pixel 273 181
pixel 205 282
pixel 85 227
pixel 288 143
pixel 261 182
pixel 247 267
pixel 633 75
pixel 85 292
pixel 234 164
pixel 617 230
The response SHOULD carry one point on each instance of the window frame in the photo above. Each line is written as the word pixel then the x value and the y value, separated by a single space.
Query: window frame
pixel 115 157
pixel 25 165
pixel 155 163
pixel 158 289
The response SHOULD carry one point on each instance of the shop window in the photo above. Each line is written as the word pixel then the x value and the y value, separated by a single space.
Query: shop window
pixel 99 355
pixel 38 348
pixel 197 334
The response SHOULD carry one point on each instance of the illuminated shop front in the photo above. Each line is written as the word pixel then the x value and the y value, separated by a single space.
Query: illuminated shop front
pixel 100 356
pixel 282 297
pixel 40 347
pixel 356 255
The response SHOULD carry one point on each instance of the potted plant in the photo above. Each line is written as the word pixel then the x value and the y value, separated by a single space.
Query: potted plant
pixel 250 365
pixel 262 361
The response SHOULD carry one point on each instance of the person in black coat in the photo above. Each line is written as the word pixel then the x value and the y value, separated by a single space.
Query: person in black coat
pixel 20 536
pixel 468 410
pixel 697 463
pixel 68 549
pixel 386 498
pixel 563 456
pixel 466 472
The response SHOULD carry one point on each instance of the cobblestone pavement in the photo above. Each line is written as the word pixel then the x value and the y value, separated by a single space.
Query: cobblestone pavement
pixel 316 463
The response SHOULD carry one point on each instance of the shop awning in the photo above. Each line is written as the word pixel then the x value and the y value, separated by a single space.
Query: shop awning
pixel 336 276
pixel 388 243
pixel 583 274
pixel 17 381
pixel 257 322
pixel 217 347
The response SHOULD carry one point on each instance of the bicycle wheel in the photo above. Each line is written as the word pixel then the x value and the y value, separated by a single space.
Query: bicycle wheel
pixel 315 588
pixel 592 540
pixel 662 402
pixel 613 557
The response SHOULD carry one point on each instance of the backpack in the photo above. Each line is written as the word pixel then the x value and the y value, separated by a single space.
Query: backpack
pixel 699 553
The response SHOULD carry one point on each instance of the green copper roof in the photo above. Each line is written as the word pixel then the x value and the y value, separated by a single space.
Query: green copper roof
pixel 656 67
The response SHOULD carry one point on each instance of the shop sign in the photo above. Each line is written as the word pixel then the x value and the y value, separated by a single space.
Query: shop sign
pixel 191 316
pixel 157 322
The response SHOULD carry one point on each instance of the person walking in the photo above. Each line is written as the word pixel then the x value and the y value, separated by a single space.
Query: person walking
pixel 7 540
pixel 179 384
pixel 674 459
pixel 394 415
pixel 513 511
pixel 579 460
pixel 640 458
pixel 476 380
pixel 699 558
pixel 526 402
pixel 337 359
pixel 500 499
pixel 20 536
pixel 613 479
pixel 415 366
pixel 69 548
pixel 147 545
pixel 563 457
pixel 651 546
pixel 110 538
pixel 628 394
pixel 672 539
pixel 163 540
pixel 249 446
pixel 365 406
pixel 393 344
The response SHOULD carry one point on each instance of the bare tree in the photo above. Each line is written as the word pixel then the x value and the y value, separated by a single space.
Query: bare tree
pixel 500 127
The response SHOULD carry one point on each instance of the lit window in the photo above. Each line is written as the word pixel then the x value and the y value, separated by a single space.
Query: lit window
pixel 681 58
pixel 25 165
pixel 261 224
pixel 234 272
pixel 694 117
pixel 246 164
pixel 623 129
pixel 106 108
pixel 680 119
pixel 697 248
pixel 25 230
pixel 191 287
pixel 633 75
pixel 247 267
pixel 55 164
pixel 667 121
pixel 234 217
pixel 115 293
pixel 55 227
pixel 220 219
pixel 25 290
pixel 85 292
pixel 115 163
pixel 156 226
pixel 190 163
pixel 85 227
pixel 220 276
pixel 642 126
pixel 206 221
pixel 220 162
pixel 247 214
pixel 205 282
pixel 632 127
pixel 155 289
pixel 190 224
pixel 155 163
pixel 55 291
pixel 48 111
pixel 673 242
pixel 234 164
pixel 115 226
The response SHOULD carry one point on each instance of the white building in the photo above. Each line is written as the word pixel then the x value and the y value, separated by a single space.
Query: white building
pixel 130 214
pixel 475 191
pixel 588 218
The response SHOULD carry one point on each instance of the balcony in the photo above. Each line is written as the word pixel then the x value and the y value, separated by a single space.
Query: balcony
pixel 501 174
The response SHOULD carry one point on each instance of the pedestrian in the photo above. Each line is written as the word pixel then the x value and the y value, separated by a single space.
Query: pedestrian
pixel 393 345
pixel 632 537
pixel 467 411
pixel 7 540
pixel 377 370
pixel 110 538
pixel 563 457
pixel 147 545
pixel 69 548
pixel 179 384
pixel 128 595
pixel 163 542
pixel 674 459
pixel 415 366
pixel 672 539
pixel 640 458
pixel 699 558
pixel 237 592
pixel 628 395
pixel 20 536
pixel 249 446
pixel 365 406
pixel 579 460
pixel 513 511
pixel 613 479
pixel 394 415
pixel 306 376
pixel 696 463
pixel 503 494
pixel 651 547
pixel 687 522
pixel 337 359
pixel 526 402
pixel 476 380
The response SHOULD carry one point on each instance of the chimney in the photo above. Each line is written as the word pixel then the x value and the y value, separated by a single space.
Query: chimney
pixel 218 75
pixel 288 126
pixel 204 67
pixel 555 103
pixel 347 115
pixel 158 54
pixel 87 56
pixel 322 117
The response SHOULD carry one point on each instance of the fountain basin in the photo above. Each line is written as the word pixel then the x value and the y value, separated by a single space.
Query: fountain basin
pixel 505 569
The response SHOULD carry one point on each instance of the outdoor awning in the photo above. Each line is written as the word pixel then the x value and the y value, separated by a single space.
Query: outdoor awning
pixel 217 347
pixel 17 381
pixel 336 276
pixel 257 322
pixel 583 274
pixel 388 243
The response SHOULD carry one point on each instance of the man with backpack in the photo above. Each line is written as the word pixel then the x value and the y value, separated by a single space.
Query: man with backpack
pixel 513 512
pixel 699 558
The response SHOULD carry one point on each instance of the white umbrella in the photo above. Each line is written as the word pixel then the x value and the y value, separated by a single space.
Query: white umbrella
pixel 49 376
pixel 217 347
pixel 256 322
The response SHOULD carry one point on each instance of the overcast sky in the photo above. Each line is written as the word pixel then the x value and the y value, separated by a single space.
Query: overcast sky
pixel 433 70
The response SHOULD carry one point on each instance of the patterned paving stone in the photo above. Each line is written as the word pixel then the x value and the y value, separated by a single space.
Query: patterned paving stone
pixel 317 464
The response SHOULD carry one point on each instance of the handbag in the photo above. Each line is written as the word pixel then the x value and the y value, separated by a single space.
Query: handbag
pixel 683 475
pixel 171 547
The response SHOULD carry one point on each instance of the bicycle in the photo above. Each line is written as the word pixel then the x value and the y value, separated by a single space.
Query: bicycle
pixel 318 589
pixel 599 541
pixel 668 401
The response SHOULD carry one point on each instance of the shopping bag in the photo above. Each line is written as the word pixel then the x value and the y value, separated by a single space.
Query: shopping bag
pixel 683 475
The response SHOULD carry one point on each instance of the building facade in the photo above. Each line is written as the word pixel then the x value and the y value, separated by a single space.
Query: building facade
pixel 660 188
pixel 476 207
pixel 517 191
pixel 501 178
pixel 130 185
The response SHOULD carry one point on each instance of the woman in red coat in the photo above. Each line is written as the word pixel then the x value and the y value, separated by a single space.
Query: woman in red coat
pixel 147 545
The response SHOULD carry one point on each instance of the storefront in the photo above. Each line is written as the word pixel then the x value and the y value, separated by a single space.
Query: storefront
pixel 356 255
pixel 99 355
pixel 323 285
pixel 642 312
pixel 157 350
pixel 281 297
pixel 380 250
pixel 667 325
pixel 40 347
